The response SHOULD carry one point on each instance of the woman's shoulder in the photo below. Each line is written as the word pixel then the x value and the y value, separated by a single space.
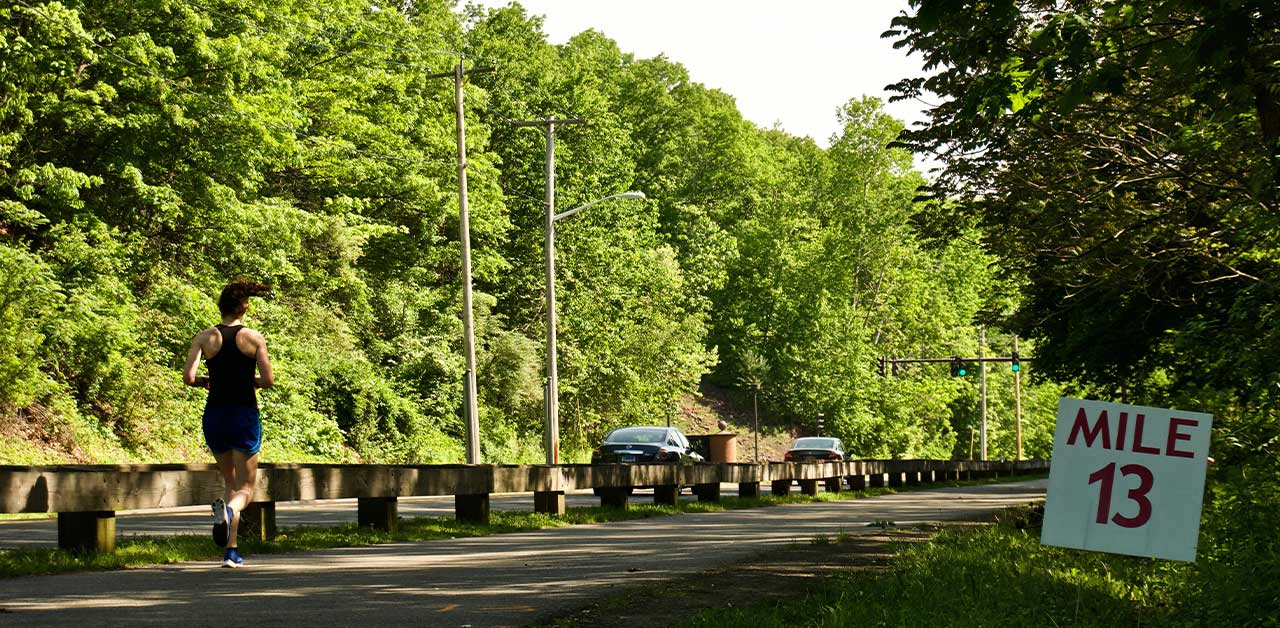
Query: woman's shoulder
pixel 253 333
pixel 208 340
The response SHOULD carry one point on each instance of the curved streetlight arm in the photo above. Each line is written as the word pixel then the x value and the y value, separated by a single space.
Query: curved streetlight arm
pixel 579 208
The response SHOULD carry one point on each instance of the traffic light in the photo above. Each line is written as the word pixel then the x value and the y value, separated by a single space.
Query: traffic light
pixel 1015 366
pixel 820 418
pixel 880 369
pixel 959 368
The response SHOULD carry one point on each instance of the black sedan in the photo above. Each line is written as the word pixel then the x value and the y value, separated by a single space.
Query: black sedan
pixel 815 448
pixel 645 444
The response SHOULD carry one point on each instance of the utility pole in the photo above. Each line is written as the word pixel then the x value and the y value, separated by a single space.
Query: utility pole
pixel 471 407
pixel 1017 399
pixel 551 437
pixel 755 414
pixel 982 386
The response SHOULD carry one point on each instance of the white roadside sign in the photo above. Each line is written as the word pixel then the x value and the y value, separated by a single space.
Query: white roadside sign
pixel 1126 479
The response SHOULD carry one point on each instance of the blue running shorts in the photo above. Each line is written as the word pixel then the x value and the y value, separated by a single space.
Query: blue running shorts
pixel 232 427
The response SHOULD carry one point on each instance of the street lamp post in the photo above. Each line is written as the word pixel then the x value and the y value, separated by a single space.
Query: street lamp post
pixel 551 433
pixel 553 381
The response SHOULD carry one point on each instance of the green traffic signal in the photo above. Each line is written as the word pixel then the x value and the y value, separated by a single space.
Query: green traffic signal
pixel 1015 366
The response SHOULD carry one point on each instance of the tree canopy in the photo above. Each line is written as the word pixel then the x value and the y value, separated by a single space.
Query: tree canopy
pixel 1121 161
pixel 150 151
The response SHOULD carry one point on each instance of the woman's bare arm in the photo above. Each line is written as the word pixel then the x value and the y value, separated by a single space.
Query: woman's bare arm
pixel 189 376
pixel 266 377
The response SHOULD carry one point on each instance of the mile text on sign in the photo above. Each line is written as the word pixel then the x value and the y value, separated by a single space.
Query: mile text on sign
pixel 1126 479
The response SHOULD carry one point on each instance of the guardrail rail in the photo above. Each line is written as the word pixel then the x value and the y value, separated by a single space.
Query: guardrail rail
pixel 86 497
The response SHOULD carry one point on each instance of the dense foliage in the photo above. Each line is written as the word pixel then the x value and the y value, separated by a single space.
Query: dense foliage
pixel 1122 161
pixel 150 150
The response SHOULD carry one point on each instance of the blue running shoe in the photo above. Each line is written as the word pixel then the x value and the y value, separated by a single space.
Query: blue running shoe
pixel 232 558
pixel 220 522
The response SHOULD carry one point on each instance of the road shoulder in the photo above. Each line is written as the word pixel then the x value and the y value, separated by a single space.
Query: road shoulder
pixel 777 574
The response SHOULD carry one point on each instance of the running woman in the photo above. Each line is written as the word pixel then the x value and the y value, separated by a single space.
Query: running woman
pixel 236 357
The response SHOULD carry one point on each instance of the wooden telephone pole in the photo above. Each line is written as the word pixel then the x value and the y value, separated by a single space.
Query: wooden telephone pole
pixel 471 407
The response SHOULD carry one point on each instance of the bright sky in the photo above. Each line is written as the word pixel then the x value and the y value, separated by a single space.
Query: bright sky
pixel 792 63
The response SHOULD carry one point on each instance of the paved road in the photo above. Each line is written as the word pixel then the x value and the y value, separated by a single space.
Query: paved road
pixel 501 580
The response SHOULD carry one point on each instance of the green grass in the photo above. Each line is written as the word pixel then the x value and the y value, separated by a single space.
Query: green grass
pixel 842 536
pixel 997 576
pixel 143 550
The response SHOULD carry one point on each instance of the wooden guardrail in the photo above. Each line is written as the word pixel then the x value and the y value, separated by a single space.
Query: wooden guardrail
pixel 86 497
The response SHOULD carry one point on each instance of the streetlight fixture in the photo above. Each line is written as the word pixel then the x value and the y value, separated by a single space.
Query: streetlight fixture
pixel 552 401
pixel 566 214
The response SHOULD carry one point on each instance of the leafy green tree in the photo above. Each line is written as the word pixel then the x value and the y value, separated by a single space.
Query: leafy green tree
pixel 1122 160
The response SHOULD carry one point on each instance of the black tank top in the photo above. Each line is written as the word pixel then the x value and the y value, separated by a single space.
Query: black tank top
pixel 231 373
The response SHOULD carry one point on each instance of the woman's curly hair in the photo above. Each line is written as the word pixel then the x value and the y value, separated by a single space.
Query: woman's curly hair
pixel 235 297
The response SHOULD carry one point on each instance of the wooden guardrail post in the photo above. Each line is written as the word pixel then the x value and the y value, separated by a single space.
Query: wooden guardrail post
pixel 666 494
pixel 927 475
pixel 473 508
pixel 942 471
pixel 913 472
pixel 258 521
pixel 895 474
pixel 549 502
pixel 379 513
pixel 808 487
pixel 854 476
pixel 707 492
pixel 749 490
pixel 614 496
pixel 93 531
pixel 547 483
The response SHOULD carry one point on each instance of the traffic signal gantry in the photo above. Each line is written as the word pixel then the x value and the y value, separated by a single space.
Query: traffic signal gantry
pixel 960 367
pixel 963 367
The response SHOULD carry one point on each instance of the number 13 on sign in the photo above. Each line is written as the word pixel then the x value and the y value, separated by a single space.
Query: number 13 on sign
pixel 1106 476
pixel 1126 479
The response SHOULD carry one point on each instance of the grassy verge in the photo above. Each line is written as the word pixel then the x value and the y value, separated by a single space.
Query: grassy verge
pixel 26 515
pixel 989 576
pixel 143 550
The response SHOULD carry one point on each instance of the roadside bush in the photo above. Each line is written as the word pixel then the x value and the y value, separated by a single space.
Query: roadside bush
pixel 28 295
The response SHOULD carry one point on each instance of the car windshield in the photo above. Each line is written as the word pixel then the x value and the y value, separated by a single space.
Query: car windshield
pixel 815 443
pixel 638 435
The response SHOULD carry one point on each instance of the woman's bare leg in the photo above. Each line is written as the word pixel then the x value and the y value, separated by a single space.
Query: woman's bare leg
pixel 240 490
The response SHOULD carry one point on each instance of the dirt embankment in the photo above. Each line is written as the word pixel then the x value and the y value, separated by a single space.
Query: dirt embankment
pixel 702 414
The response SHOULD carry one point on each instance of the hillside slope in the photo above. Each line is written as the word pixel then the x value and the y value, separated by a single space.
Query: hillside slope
pixel 701 414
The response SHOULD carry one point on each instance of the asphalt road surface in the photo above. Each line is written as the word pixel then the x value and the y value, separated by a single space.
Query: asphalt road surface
pixel 500 580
